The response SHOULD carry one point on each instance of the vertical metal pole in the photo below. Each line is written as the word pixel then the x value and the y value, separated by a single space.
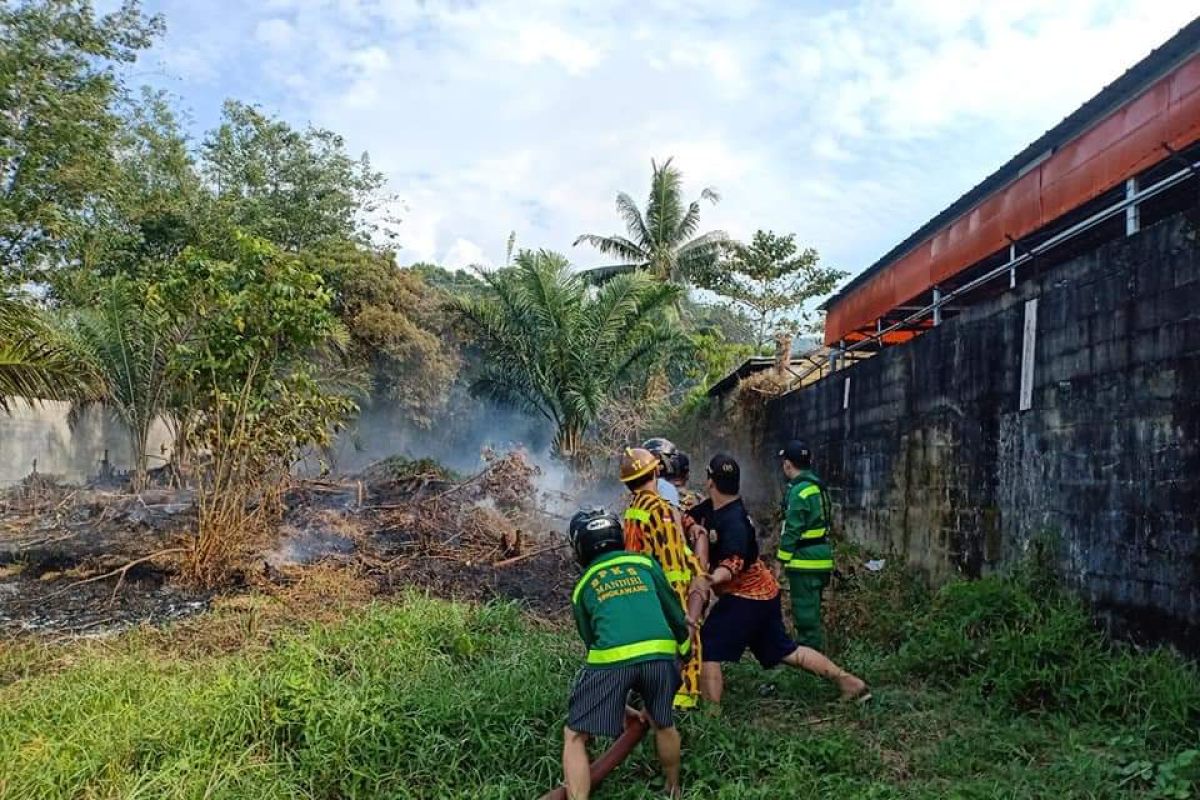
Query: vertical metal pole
pixel 1133 214
pixel 937 305
pixel 1012 271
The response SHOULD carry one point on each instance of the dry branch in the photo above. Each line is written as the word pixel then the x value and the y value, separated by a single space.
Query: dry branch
pixel 122 571
pixel 515 559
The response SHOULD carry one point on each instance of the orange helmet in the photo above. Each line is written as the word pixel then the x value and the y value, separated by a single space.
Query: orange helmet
pixel 637 463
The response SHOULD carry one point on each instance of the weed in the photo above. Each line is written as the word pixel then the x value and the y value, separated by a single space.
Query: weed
pixel 983 691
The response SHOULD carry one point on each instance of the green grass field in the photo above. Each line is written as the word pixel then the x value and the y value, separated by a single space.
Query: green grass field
pixel 997 689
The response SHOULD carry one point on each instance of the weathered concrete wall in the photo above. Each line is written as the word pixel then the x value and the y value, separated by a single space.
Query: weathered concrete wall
pixel 932 457
pixel 41 432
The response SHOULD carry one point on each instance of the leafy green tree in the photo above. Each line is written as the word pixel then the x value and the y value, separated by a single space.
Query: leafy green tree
pixel 294 188
pixel 59 80
pixel 40 360
pixel 254 366
pixel 561 349
pixel 769 281
pixel 398 326
pixel 664 240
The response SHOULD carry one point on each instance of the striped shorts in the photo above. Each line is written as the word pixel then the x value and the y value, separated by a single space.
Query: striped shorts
pixel 598 696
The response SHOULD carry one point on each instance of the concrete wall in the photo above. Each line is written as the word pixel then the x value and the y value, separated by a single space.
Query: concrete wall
pixel 41 432
pixel 934 459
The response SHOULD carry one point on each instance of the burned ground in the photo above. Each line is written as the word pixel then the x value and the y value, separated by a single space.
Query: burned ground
pixel 395 527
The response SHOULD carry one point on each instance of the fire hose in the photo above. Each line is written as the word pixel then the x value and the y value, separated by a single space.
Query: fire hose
pixel 635 729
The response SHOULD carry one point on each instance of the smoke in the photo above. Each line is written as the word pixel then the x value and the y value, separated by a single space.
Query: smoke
pixel 458 440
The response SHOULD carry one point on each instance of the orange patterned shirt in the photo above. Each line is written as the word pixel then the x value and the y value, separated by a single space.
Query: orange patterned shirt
pixel 652 527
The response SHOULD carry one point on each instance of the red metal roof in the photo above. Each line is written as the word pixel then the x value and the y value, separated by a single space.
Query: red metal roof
pixel 1105 149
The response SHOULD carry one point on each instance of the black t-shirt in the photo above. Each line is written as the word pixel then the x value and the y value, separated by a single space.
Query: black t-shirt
pixel 735 531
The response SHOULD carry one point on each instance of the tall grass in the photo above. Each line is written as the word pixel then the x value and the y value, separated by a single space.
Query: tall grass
pixel 987 690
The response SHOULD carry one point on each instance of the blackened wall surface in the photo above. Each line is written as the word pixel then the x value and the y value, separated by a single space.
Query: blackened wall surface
pixel 931 457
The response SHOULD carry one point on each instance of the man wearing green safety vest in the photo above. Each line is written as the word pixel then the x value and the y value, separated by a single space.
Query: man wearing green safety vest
pixel 634 628
pixel 805 553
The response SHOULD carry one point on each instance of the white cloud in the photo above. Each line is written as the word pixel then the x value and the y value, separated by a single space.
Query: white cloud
pixel 850 126
pixel 464 253
pixel 541 41
pixel 275 33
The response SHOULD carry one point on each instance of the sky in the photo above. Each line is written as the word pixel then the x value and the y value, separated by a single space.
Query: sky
pixel 847 123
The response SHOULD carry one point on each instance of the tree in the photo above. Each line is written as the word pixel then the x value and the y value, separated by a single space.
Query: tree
pixel 294 188
pixel 59 79
pixel 663 241
pixel 38 359
pixel 129 336
pixel 254 368
pixel 397 324
pixel 770 280
pixel 561 349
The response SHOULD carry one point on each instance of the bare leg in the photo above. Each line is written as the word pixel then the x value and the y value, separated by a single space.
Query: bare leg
pixel 575 765
pixel 666 741
pixel 813 661
pixel 712 683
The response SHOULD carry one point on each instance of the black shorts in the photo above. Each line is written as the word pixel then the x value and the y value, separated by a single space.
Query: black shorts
pixel 598 696
pixel 736 623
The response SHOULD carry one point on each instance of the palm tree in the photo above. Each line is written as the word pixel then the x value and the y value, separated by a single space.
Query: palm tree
pixel 663 241
pixel 38 360
pixel 561 348
pixel 131 341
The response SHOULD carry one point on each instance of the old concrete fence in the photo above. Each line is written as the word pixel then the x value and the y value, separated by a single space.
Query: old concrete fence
pixel 1069 407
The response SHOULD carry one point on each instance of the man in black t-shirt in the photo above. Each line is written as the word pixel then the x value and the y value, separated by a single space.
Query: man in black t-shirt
pixel 747 612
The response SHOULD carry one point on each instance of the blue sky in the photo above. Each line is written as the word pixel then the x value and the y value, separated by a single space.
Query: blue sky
pixel 847 123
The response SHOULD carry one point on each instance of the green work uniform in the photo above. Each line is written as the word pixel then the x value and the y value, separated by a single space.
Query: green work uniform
pixel 806 554
pixel 627 613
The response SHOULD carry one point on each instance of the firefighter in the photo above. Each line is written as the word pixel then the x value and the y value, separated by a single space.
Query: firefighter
pixel 805 553
pixel 668 467
pixel 673 467
pixel 683 472
pixel 696 537
pixel 748 612
pixel 634 628
pixel 652 527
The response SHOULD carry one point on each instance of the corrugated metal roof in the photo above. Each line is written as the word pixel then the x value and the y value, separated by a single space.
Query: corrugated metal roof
pixel 1158 63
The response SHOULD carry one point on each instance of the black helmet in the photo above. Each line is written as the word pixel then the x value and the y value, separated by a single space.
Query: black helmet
pixel 594 531
pixel 683 464
pixel 667 454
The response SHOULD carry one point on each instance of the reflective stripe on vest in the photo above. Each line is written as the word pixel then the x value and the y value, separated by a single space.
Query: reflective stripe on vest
pixel 641 561
pixel 813 533
pixel 637 515
pixel 809 491
pixel 678 575
pixel 652 647
pixel 810 564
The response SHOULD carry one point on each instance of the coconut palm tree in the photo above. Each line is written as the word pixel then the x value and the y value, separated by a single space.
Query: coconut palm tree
pixel 561 348
pixel 663 241
pixel 38 360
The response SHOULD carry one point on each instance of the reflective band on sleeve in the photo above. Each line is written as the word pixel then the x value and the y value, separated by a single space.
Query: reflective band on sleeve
pixel 810 490
pixel 637 514
pixel 685 647
pixel 641 561
pixel 814 564
pixel 783 555
pixel 678 575
pixel 813 533
pixel 653 647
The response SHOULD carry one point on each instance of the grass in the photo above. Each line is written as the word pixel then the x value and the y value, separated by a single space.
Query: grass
pixel 994 689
